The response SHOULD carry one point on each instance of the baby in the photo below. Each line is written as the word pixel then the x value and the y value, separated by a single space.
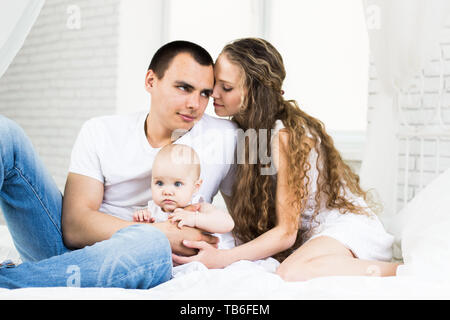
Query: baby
pixel 175 185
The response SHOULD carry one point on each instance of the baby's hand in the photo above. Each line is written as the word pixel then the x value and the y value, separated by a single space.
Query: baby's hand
pixel 193 207
pixel 143 215
pixel 185 217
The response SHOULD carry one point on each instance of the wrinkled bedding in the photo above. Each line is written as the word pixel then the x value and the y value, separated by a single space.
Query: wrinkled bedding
pixel 241 280
pixel 422 241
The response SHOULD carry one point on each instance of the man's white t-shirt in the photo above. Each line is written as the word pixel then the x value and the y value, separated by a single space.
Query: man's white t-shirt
pixel 115 151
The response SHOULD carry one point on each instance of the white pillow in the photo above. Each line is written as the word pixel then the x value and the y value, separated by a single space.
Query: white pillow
pixel 425 231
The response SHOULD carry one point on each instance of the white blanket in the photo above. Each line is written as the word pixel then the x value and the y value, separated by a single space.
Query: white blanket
pixel 241 280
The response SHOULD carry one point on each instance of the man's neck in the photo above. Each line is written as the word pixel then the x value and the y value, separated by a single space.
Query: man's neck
pixel 157 135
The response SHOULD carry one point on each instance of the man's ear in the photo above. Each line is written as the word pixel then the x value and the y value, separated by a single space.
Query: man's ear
pixel 150 79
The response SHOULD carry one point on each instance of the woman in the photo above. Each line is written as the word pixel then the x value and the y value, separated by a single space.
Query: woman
pixel 311 215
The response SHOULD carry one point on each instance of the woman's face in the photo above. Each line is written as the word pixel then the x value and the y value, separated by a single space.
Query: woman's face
pixel 228 90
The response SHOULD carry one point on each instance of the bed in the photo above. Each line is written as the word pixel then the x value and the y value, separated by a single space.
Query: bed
pixel 422 243
pixel 245 280
pixel 425 251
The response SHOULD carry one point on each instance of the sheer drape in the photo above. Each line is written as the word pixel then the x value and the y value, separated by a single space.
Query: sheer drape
pixel 403 34
pixel 16 19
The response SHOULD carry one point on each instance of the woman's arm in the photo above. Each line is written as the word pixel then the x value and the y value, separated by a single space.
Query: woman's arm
pixel 284 234
pixel 266 245
pixel 277 239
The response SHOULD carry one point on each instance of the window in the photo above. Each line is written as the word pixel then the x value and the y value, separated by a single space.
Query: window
pixel 212 23
pixel 324 45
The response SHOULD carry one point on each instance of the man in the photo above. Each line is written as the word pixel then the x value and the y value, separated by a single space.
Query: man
pixel 109 175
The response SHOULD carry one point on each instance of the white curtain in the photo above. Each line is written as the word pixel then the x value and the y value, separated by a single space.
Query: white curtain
pixel 16 19
pixel 402 35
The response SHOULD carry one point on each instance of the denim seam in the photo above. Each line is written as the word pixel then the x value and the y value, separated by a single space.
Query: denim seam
pixel 6 172
pixel 138 269
pixel 37 196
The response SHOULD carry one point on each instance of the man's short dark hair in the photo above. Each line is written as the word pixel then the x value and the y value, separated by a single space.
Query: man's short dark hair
pixel 164 56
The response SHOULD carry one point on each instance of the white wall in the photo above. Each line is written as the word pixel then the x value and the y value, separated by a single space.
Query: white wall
pixel 140 35
pixel 62 76
pixel 212 24
pixel 325 47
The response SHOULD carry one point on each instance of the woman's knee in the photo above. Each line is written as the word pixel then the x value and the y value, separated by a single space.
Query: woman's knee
pixel 299 272
pixel 299 269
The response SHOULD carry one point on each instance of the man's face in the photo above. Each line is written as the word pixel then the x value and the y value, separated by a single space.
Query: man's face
pixel 180 98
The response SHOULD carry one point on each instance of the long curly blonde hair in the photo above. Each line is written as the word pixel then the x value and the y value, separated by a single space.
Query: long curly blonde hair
pixel 253 209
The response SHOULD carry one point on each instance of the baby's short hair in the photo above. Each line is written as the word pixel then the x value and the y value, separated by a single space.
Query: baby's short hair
pixel 180 154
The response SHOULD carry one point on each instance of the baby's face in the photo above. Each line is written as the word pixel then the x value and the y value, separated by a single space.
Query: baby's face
pixel 173 186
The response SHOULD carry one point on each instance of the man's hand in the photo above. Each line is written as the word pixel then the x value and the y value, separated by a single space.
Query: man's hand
pixel 143 215
pixel 176 237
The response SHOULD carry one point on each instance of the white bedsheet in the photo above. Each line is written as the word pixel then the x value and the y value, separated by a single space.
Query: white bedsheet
pixel 241 280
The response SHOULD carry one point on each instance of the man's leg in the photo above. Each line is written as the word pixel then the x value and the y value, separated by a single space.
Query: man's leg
pixel 29 198
pixel 135 257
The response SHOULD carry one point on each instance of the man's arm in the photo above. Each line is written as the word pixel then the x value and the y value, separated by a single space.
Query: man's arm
pixel 84 225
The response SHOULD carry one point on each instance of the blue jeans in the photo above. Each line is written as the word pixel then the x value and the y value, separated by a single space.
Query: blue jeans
pixel 138 256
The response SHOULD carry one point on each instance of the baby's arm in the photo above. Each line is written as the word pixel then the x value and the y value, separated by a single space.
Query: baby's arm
pixel 208 218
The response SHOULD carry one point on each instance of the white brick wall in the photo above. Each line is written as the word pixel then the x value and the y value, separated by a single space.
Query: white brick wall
pixel 62 77
pixel 421 170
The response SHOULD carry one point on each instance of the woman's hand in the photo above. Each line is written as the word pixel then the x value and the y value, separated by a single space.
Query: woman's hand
pixel 176 237
pixel 209 255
